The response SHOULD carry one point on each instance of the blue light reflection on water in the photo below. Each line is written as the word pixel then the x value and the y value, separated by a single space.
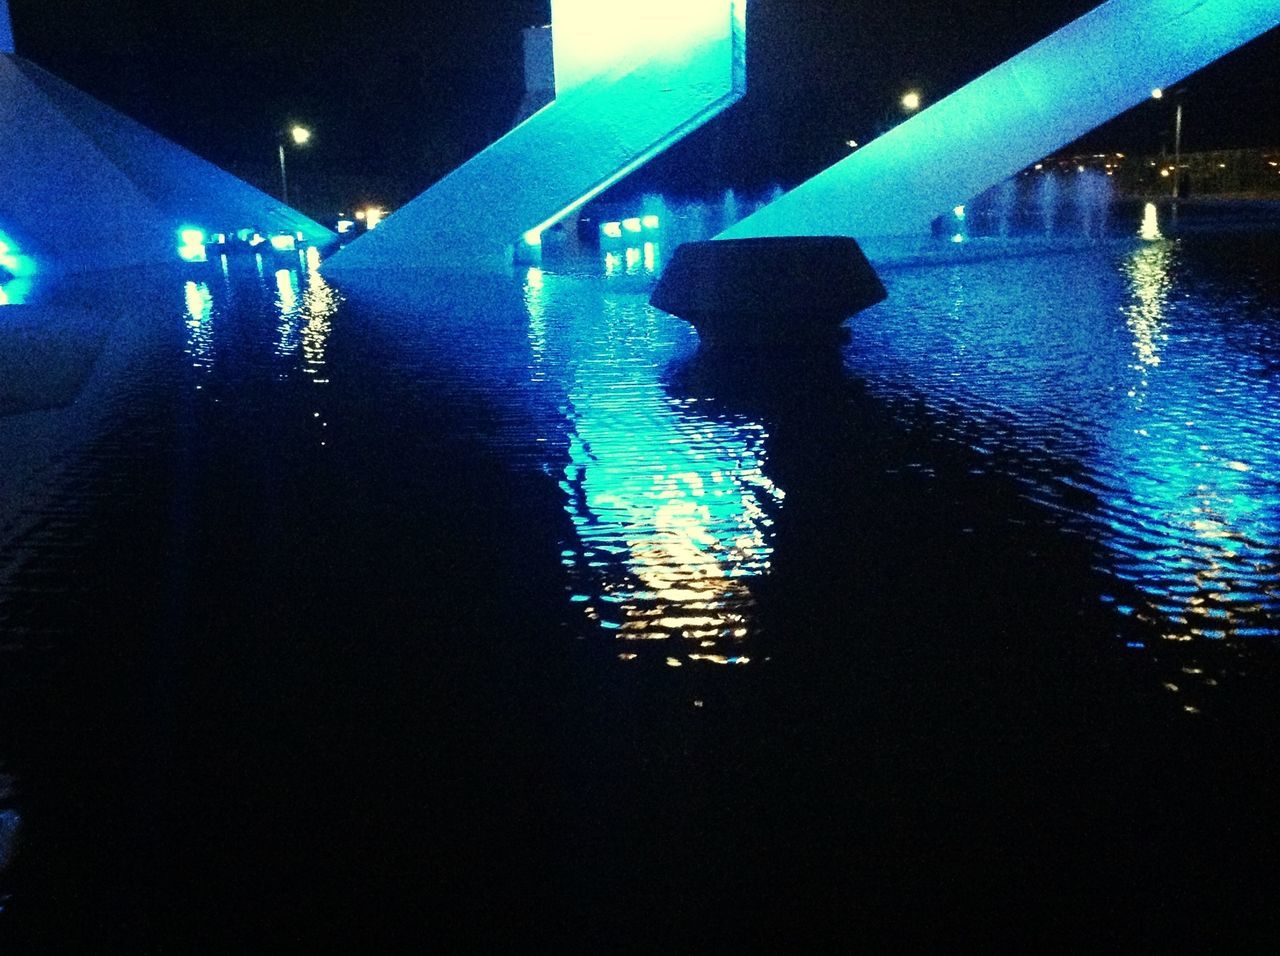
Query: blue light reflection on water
pixel 668 497
pixel 1127 396
pixel 1133 393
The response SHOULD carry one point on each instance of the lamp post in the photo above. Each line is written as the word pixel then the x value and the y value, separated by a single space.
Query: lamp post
pixel 300 136
pixel 1158 94
pixel 1177 146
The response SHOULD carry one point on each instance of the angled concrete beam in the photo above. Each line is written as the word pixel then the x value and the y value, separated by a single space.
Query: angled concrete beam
pixel 84 188
pixel 1091 70
pixel 631 79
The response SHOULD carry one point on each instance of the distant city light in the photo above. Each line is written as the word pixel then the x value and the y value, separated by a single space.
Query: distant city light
pixel 345 226
pixel 301 135
pixel 632 224
pixel 651 222
pixel 8 258
pixel 958 212
pixel 284 243
pixel 373 216
pixel 911 101
pixel 191 242
pixel 16 271
pixel 958 237
pixel 1165 173
pixel 612 229
pixel 1157 94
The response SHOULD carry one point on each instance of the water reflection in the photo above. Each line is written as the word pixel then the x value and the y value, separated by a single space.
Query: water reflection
pixel 668 496
pixel 1132 394
pixel 1191 514
pixel 1148 273
pixel 1150 228
pixel 287 297
pixel 305 304
pixel 319 303
pixel 199 325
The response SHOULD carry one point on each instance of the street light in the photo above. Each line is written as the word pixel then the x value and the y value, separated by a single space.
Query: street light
pixel 300 136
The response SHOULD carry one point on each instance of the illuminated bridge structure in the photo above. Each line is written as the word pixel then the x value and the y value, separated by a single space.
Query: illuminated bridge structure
pixel 84 188
pixel 6 28
pixel 1088 72
pixel 631 79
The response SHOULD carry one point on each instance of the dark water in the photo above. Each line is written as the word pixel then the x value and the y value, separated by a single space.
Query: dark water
pixel 496 612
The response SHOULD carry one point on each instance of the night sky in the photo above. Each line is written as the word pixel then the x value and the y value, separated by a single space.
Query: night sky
pixel 401 91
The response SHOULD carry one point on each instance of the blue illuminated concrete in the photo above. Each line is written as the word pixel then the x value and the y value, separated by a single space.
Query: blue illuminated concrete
pixel 86 188
pixel 1051 94
pixel 631 79
pixel 6 28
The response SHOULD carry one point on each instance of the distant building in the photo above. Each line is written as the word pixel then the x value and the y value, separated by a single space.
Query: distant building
pixel 1224 173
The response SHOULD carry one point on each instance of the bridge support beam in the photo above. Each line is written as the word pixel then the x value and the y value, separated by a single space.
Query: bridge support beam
pixel 631 79
pixel 1088 72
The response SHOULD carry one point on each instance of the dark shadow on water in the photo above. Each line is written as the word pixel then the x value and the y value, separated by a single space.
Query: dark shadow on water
pixel 334 696
pixel 972 730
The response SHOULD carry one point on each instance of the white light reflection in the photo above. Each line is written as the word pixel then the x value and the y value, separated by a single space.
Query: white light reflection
pixel 287 305
pixel 1150 229
pixel 1148 272
pixel 199 325
pixel 319 303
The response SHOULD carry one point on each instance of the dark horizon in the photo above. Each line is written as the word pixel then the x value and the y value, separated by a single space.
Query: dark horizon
pixel 222 82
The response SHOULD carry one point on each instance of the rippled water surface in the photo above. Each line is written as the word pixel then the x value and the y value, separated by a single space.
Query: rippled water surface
pixel 317 556
pixel 1133 395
